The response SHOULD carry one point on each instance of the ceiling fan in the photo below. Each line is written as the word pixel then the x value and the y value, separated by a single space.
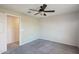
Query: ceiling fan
pixel 42 10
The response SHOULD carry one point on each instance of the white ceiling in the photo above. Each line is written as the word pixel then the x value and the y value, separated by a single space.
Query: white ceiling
pixel 59 8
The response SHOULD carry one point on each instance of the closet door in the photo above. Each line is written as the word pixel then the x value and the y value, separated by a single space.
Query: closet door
pixel 3 33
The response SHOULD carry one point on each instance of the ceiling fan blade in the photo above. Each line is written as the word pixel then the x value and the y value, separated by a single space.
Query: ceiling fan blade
pixel 44 6
pixel 33 10
pixel 50 11
pixel 36 13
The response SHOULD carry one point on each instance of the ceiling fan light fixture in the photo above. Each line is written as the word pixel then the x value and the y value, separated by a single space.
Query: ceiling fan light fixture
pixel 29 12
pixel 45 14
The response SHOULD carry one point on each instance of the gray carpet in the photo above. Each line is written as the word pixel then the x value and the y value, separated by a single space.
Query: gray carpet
pixel 44 47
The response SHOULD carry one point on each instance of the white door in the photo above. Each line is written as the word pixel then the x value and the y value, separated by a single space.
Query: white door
pixel 3 33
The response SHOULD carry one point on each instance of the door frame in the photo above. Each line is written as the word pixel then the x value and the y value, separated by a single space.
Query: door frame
pixel 19 23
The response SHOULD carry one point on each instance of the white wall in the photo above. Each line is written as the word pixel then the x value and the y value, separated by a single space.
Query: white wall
pixel 3 33
pixel 29 29
pixel 61 28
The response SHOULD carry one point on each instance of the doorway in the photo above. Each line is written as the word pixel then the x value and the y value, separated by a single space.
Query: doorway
pixel 12 32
